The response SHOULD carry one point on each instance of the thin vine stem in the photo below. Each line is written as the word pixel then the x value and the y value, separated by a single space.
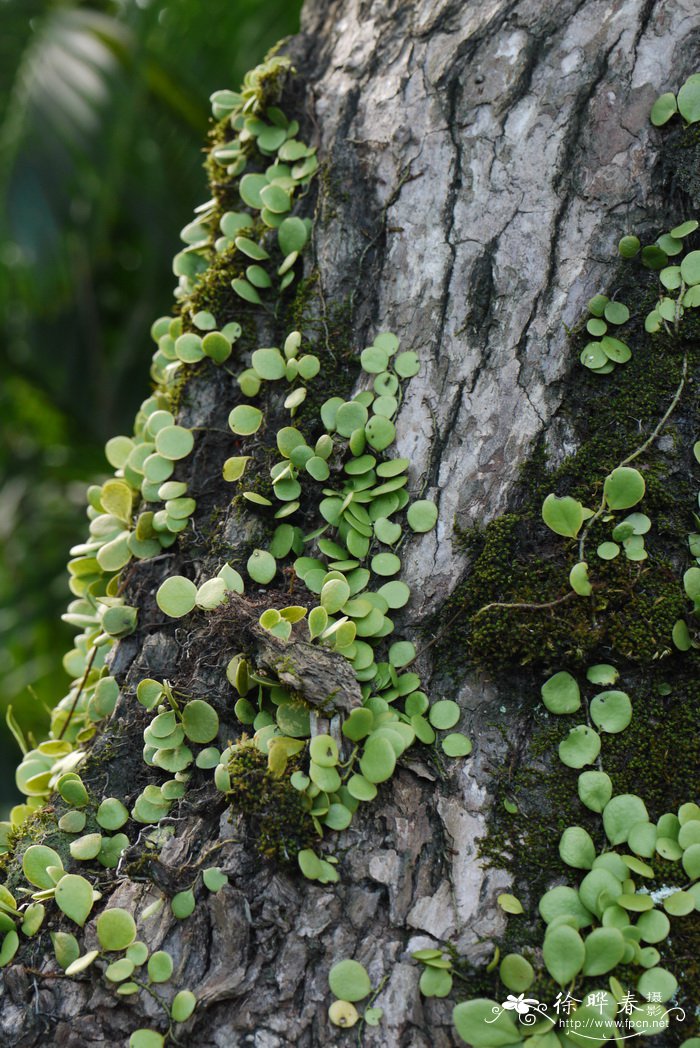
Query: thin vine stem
pixel 79 692
pixel 637 452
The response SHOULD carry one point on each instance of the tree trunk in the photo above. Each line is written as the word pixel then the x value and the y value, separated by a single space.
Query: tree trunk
pixel 480 162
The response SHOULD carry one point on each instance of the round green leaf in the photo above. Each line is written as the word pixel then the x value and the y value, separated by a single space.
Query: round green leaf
pixel 691 861
pixel 378 759
pixel 689 100
pixel 509 903
pixel 386 531
pixel 360 788
pixel 620 814
pixel 200 721
pixel 275 199
pixel 160 966
pixel 66 948
pixel 690 268
pixel 395 593
pixel 119 970
pixel 85 848
pixel 385 564
pixel 116 929
pixel 289 438
pixel 422 515
pixel 657 984
pixel 245 419
pixel 269 364
pixel 349 981
pixel 338 817
pixel 594 789
pixel 214 879
pixel 653 257
pixel 71 788
pixel 617 312
pixel 663 109
pixel 146 1039
pixel 563 952
pixel 211 594
pixel 34 918
pixel 629 247
pixel 614 349
pixel 406 364
pixel 216 346
pixel 516 972
pixel 72 822
pixel 35 861
pixel 317 468
pixel 680 903
pixel 323 750
pixel 592 355
pixel 350 416
pixel 624 487
pixel 605 948
pixel 482 1023
pixel 401 653
pixel 580 747
pixel 563 901
pixel 435 982
pixel 689 833
pixel 250 187
pixel 611 711
pixel 334 595
pixel 176 596
pixel 380 432
pixel 564 516
pixel 456 745
pixel 137 953
pixel 602 673
pixel 184 1003
pixel 595 327
pixel 374 360
pixel 653 926
pixel 261 566
pixel 74 897
pixel 174 442
pixel 292 235
pixel 387 341
pixel 309 864
pixel 182 904
pixel 444 714
pixel 576 848
pixel 561 693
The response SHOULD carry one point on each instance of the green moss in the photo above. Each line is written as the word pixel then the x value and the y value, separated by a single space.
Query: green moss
pixel 655 758
pixel 632 610
pixel 515 559
pixel 273 808
pixel 329 334
pixel 214 292
pixel 39 828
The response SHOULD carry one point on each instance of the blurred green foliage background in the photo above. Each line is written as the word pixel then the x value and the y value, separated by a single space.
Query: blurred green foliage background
pixel 103 114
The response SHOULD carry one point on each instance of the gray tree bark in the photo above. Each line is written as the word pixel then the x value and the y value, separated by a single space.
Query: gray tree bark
pixel 482 160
